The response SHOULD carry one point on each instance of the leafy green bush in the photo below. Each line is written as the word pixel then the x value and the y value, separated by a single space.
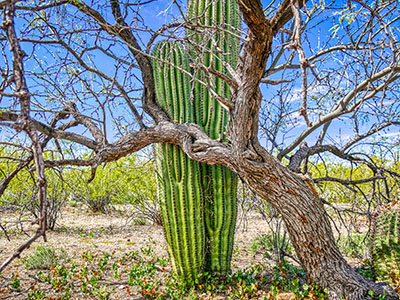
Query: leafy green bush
pixel 98 204
pixel 274 245
pixel 21 191
pixel 147 209
pixel 354 246
pixel 44 258
pixel 56 198
pixel 129 180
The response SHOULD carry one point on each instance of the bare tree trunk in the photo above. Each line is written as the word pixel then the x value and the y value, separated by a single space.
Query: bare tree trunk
pixel 25 123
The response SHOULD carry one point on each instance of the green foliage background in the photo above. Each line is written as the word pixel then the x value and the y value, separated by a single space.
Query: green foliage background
pixel 127 180
pixel 335 192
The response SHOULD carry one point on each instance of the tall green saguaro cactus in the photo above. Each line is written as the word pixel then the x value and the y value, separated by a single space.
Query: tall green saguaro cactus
pixel 386 246
pixel 179 185
pixel 219 47
pixel 198 201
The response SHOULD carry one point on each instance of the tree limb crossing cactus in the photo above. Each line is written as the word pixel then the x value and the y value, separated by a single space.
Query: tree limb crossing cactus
pixel 386 246
pixel 198 201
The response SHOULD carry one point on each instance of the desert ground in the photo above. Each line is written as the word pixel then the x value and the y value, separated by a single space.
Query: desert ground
pixel 79 232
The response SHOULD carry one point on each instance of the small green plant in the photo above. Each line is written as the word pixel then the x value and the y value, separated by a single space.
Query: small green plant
pixel 367 269
pixel 44 258
pixel 287 277
pixel 15 282
pixel 102 293
pixel 353 246
pixel 74 203
pixel 271 245
pixel 371 294
pixel 139 221
pixel 245 283
pixel 35 294
pixel 98 204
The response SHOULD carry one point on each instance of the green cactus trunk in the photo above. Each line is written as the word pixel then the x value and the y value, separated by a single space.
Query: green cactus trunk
pixel 198 202
pixel 179 184
pixel 386 246
pixel 220 183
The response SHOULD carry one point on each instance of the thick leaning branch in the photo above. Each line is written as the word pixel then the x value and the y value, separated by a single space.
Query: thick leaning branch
pixel 306 219
pixel 51 132
pixel 188 136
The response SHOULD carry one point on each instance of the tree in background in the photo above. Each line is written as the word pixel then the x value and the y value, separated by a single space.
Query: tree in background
pixel 311 78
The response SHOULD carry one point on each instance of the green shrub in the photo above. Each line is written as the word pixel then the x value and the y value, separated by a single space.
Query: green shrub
pixel 139 221
pixel 354 246
pixel 44 258
pixel 273 245
pixel 98 204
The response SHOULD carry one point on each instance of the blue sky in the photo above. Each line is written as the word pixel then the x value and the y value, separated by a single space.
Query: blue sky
pixel 162 12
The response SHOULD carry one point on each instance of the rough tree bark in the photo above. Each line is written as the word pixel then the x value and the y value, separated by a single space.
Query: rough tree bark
pixel 309 228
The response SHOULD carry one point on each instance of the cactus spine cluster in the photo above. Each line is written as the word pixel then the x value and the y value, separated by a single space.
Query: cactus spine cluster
pixel 198 201
pixel 386 246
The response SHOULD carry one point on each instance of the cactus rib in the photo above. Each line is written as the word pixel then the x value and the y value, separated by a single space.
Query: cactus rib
pixel 386 245
pixel 180 195
pixel 219 183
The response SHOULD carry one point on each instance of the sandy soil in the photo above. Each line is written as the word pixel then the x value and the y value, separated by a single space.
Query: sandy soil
pixel 78 231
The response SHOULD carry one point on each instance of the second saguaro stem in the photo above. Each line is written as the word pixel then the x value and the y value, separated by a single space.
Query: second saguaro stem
pixel 219 47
